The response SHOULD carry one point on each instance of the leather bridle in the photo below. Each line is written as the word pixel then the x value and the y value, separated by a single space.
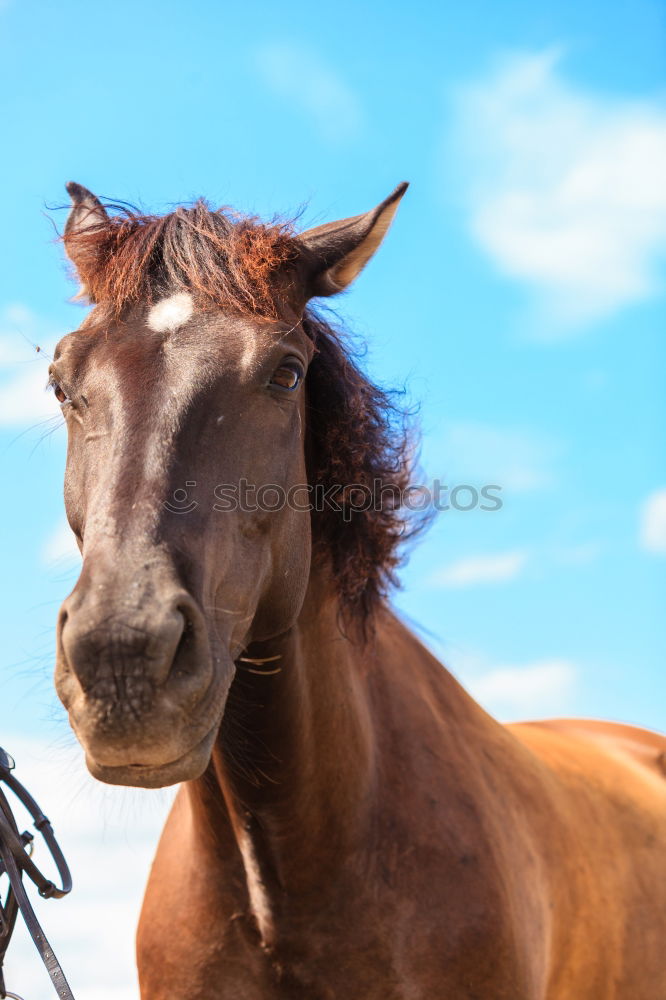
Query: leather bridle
pixel 15 862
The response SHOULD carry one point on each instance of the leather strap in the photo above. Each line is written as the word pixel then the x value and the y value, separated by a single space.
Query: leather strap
pixel 15 862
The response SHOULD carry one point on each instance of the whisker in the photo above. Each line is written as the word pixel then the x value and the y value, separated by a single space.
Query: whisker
pixel 36 347
pixel 227 611
pixel 259 660
pixel 49 423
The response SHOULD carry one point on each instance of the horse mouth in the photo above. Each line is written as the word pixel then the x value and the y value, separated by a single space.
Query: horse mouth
pixel 187 767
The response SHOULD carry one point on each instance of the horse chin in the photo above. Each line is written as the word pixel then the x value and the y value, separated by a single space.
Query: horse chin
pixel 189 766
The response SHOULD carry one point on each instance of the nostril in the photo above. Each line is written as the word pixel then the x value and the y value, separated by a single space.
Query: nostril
pixel 63 637
pixel 187 609
pixel 62 620
pixel 187 659
pixel 187 619
pixel 184 659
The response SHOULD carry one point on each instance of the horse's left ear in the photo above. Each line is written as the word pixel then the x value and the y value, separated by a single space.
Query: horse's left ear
pixel 334 254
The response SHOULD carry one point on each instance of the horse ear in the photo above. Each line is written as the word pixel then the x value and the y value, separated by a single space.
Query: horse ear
pixel 334 254
pixel 86 213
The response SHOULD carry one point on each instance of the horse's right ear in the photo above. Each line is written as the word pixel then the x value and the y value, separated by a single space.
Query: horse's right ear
pixel 334 254
pixel 86 213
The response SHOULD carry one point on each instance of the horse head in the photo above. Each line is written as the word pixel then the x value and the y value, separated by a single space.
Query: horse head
pixel 202 398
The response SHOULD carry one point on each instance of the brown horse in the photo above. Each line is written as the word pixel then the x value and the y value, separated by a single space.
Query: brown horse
pixel 351 824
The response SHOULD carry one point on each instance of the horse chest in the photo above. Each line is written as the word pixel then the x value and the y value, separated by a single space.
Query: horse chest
pixel 373 938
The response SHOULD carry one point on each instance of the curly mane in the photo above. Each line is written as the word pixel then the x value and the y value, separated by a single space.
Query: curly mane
pixel 358 437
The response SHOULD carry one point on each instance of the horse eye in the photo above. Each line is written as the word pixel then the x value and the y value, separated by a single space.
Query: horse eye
pixel 60 393
pixel 288 376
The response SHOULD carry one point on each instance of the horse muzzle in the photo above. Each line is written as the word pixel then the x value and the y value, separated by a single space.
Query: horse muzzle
pixel 144 694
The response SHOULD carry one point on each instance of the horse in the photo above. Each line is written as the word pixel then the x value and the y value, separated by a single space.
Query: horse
pixel 350 823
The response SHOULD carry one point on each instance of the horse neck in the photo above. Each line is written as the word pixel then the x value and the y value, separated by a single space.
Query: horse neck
pixel 312 760
pixel 294 762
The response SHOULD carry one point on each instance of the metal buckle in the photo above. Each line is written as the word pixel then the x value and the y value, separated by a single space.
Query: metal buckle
pixel 7 762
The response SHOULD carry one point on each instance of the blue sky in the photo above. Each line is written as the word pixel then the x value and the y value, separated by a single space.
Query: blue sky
pixel 519 296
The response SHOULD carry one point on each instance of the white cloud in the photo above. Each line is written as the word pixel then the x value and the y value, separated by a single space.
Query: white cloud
pixel 515 458
pixel 24 370
pixel 60 548
pixel 583 554
pixel 541 688
pixel 653 522
pixel 481 569
pixel 301 77
pixel 109 836
pixel 23 399
pixel 501 567
pixel 566 188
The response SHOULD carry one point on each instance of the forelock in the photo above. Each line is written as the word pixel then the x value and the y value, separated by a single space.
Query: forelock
pixel 219 257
